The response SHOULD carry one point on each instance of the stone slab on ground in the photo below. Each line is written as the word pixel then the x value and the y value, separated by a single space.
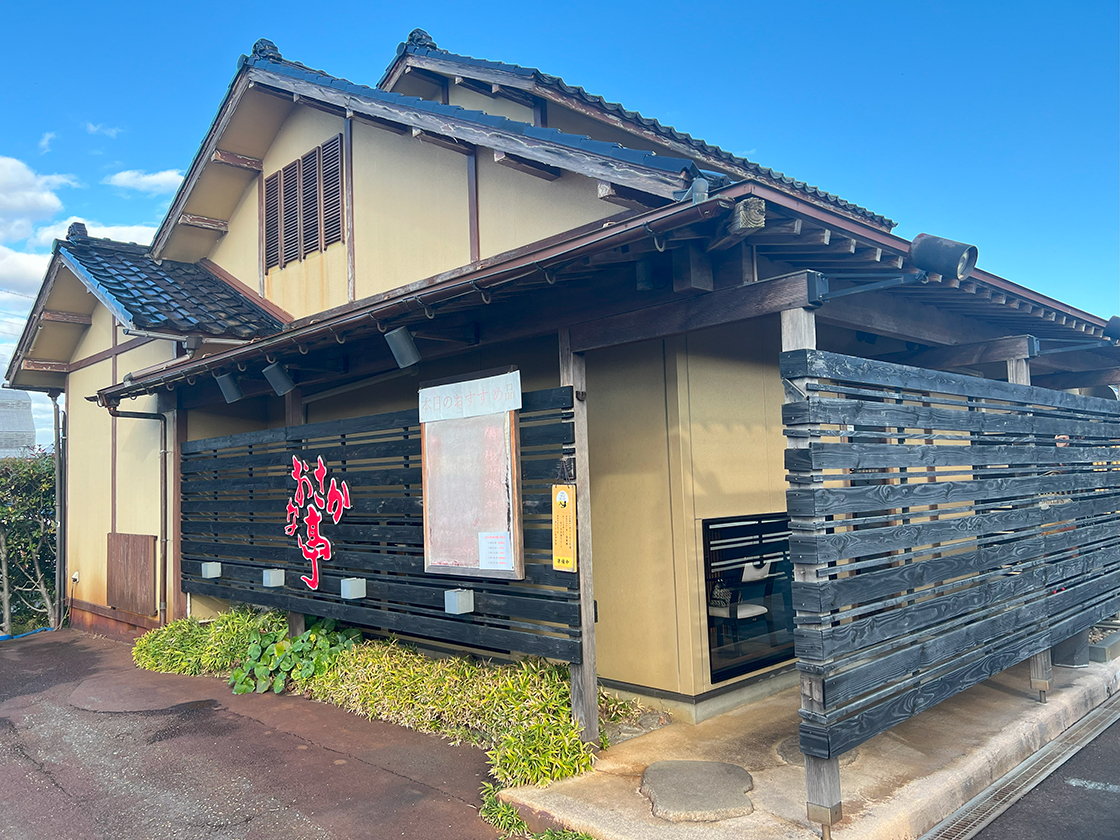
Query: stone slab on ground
pixel 697 791
pixel 895 786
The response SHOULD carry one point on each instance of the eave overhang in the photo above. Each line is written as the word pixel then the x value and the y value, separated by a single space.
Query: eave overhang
pixel 531 83
pixel 437 122
pixel 541 264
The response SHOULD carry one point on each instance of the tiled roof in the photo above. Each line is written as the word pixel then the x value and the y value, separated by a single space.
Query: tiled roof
pixel 168 296
pixel 420 44
pixel 268 58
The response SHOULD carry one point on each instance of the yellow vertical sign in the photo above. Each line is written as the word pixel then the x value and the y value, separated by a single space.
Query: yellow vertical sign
pixel 564 527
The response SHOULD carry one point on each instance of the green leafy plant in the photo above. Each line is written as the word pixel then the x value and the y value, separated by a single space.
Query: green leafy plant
pixel 272 659
pixel 188 646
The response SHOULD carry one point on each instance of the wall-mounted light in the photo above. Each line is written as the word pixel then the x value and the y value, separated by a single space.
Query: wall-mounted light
pixel 943 256
pixel 403 347
pixel 272 577
pixel 230 389
pixel 353 588
pixel 278 377
pixel 211 570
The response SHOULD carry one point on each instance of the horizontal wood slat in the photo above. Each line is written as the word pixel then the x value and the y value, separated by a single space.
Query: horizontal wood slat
pixel 235 490
pixel 943 528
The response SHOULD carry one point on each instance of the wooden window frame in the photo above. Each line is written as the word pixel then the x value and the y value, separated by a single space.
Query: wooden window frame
pixel 290 238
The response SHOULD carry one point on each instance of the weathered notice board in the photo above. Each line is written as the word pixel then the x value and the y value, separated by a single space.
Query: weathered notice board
pixel 471 477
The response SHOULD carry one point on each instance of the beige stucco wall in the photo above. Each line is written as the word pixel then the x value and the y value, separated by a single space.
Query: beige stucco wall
pixel 410 209
pixel 632 528
pixel 89 462
pixel 238 250
pixel 679 431
pixel 138 449
pixel 475 101
pixel 90 458
pixel 515 208
pixel 88 485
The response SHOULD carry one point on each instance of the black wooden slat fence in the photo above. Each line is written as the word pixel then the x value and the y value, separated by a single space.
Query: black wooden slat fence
pixel 943 528
pixel 235 491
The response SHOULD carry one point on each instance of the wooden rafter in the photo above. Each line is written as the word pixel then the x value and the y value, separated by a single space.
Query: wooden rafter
pixel 203 222
pixel 529 167
pixel 79 318
pixel 237 161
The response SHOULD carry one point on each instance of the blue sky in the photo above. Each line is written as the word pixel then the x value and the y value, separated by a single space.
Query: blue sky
pixel 993 123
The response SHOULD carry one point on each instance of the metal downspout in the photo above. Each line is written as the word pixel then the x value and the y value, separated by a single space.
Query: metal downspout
pixel 145 415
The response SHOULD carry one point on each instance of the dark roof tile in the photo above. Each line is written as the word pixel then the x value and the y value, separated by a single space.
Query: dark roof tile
pixel 576 141
pixel 167 296
pixel 422 48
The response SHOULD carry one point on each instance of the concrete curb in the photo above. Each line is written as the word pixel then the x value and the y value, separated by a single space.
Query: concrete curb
pixel 922 803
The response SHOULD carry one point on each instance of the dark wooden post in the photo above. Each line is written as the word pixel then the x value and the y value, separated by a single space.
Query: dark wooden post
pixel 585 682
pixel 1042 669
pixel 295 414
pixel 822 775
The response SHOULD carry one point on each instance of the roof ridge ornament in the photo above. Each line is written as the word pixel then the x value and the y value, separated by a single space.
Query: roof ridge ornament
pixel 76 231
pixel 420 38
pixel 264 48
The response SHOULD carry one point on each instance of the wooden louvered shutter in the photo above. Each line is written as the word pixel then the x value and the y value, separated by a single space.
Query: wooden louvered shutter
pixel 289 188
pixel 272 221
pixel 310 188
pixel 332 190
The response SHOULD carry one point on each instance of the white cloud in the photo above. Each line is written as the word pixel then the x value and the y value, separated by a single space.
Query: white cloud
pixel 153 183
pixel 20 273
pixel 26 198
pixel 140 234
pixel 45 142
pixel 101 128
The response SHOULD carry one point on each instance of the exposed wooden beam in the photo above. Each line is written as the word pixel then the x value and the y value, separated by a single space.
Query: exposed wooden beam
pixel 894 316
pixel 436 79
pixel 747 217
pixel 529 167
pixel 680 316
pixel 66 317
pixel 236 160
pixel 692 271
pixel 777 233
pixel 966 355
pixel 1079 379
pixel 384 125
pixel 443 141
pixel 44 366
pixel 204 222
pixel 627 197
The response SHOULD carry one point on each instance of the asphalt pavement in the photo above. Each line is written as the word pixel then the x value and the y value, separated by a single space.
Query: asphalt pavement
pixel 91 747
pixel 1078 801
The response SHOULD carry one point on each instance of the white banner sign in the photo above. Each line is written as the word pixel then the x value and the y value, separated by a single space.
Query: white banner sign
pixel 472 398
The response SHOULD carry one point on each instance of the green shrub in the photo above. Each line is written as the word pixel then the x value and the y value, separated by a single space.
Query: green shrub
pixel 188 646
pixel 520 714
pixel 272 659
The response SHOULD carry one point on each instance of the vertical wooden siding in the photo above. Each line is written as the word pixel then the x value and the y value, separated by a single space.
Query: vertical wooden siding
pixel 943 530
pixel 130 579
pixel 235 490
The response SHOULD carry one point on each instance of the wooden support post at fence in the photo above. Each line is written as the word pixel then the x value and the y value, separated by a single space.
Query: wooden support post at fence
pixel 585 682
pixel 822 775
pixel 1042 670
